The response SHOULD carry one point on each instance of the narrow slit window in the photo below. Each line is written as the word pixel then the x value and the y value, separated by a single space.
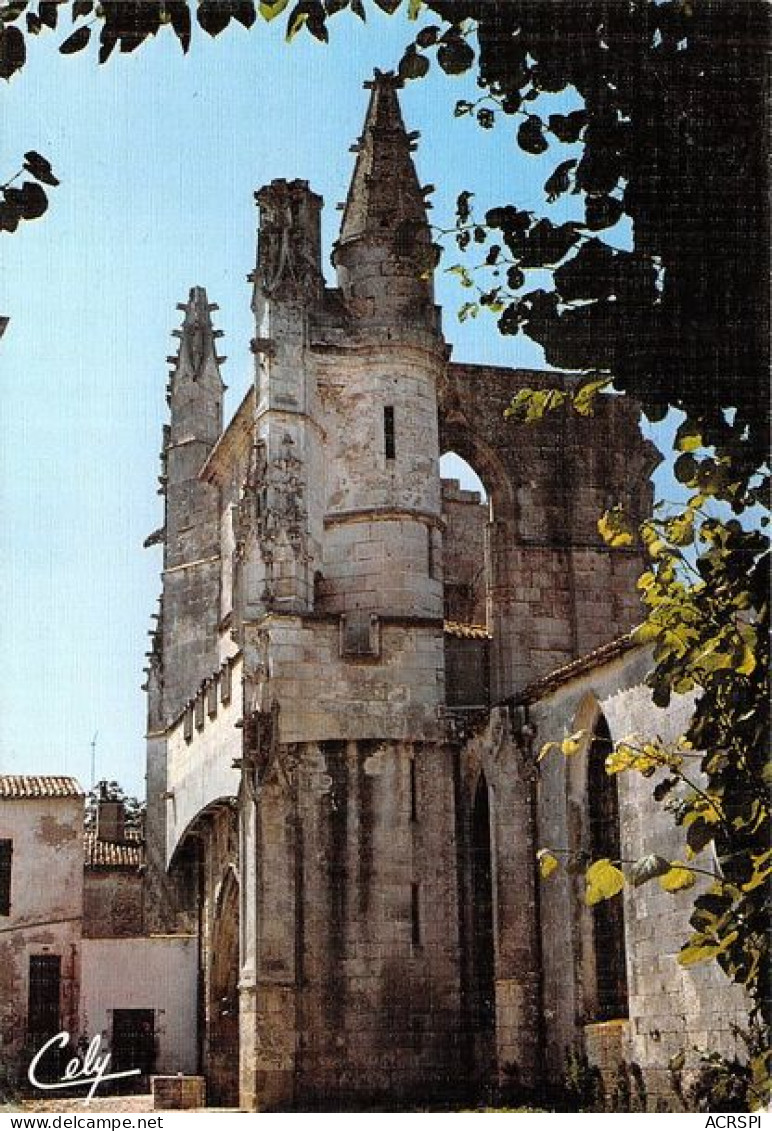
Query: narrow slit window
pixel 6 854
pixel 389 444
pixel 415 915
pixel 413 792
pixel 430 563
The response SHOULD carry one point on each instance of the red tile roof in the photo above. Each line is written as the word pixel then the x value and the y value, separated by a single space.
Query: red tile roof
pixel 23 787
pixel 590 660
pixel 126 854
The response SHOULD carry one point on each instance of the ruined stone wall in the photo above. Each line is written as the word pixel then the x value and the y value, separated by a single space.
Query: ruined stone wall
pixel 465 554
pixel 556 590
pixel 671 1008
pixel 45 916
pixel 112 903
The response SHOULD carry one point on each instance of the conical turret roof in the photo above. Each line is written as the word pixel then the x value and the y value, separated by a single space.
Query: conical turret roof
pixel 384 191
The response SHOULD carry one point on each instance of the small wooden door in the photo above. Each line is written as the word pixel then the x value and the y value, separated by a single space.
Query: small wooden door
pixel 133 1047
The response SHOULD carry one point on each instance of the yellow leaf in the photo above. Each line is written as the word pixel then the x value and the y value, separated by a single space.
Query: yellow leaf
pixel 603 880
pixel 548 863
pixel 545 750
pixel 691 955
pixel 700 952
pixel 572 744
pixel 679 878
pixel 748 663
pixel 761 870
pixel 619 761
pixel 614 529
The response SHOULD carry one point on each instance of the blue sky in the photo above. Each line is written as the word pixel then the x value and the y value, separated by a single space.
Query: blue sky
pixel 159 156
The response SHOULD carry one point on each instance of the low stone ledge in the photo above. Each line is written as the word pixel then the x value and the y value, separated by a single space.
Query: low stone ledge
pixel 178 1093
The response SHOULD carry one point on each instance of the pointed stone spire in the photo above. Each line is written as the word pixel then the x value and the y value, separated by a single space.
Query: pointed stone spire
pixel 384 256
pixel 384 191
pixel 197 336
pixel 195 392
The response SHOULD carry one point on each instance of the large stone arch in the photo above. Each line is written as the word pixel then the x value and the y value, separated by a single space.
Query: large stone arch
pixel 557 590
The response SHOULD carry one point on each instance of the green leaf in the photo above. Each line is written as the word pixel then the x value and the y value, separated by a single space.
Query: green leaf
pixel 603 881
pixel 679 877
pixel 270 9
pixel 530 405
pixel 694 953
pixel 584 398
pixel 548 863
pixel 688 437
pixel 648 868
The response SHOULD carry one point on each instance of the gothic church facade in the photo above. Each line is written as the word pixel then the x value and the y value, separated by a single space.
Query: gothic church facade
pixel 342 793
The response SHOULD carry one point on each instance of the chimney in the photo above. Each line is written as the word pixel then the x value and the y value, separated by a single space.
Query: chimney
pixel 111 818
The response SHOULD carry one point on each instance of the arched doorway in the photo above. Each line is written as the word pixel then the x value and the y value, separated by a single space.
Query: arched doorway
pixel 223 1008
pixel 608 924
pixel 483 943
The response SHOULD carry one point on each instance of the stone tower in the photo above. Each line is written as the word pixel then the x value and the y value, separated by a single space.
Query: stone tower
pixel 185 639
pixel 350 971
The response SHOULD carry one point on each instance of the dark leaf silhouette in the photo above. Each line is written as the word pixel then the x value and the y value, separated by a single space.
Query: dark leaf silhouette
pixel 76 42
pixel 530 135
pixel 39 167
pixel 12 51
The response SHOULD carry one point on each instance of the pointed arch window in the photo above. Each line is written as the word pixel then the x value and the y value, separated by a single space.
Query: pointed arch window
pixel 608 925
